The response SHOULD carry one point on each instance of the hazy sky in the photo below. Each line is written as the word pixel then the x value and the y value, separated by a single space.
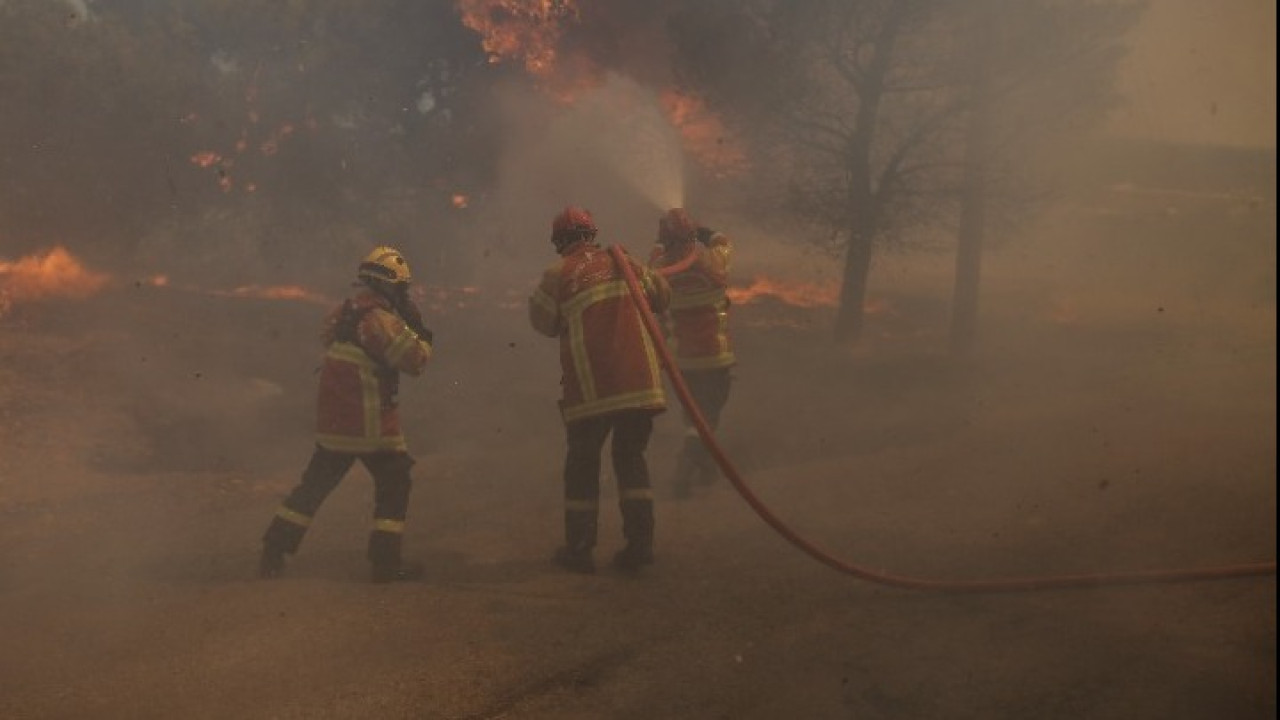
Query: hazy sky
pixel 1203 71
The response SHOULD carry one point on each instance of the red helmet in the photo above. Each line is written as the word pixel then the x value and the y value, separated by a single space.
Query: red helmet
pixel 570 226
pixel 573 219
pixel 676 227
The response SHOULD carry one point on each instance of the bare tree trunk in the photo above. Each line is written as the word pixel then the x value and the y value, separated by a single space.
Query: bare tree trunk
pixel 964 307
pixel 862 234
pixel 851 315
pixel 863 218
pixel 865 201
pixel 973 211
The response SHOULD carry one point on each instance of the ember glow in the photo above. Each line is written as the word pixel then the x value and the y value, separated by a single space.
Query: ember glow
pixel 222 162
pixel 205 159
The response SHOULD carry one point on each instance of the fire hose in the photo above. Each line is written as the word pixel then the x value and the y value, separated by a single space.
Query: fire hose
pixel 883 578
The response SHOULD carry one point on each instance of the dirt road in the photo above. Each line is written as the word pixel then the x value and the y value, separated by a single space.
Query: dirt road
pixel 147 443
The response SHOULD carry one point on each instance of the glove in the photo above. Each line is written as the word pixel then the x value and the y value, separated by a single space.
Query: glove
pixel 412 317
pixel 705 234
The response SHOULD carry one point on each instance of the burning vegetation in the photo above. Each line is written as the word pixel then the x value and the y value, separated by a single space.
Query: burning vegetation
pixel 524 31
pixel 212 172
pixel 52 273
pixel 290 143
pixel 57 274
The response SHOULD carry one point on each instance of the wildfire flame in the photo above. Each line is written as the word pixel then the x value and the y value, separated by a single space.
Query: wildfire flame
pixel 524 30
pixel 805 295
pixel 273 292
pixel 530 32
pixel 56 273
pixel 53 273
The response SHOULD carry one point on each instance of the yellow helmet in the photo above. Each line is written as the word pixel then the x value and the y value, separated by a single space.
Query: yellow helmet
pixel 385 264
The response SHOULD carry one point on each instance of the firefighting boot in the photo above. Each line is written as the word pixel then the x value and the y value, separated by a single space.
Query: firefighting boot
pixel 633 557
pixel 283 536
pixel 580 534
pixel 637 528
pixel 271 563
pixel 384 555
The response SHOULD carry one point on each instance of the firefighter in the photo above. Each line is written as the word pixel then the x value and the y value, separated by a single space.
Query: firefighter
pixel 695 261
pixel 370 339
pixel 611 386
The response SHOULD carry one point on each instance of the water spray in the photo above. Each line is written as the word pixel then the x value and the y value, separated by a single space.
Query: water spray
pixel 644 150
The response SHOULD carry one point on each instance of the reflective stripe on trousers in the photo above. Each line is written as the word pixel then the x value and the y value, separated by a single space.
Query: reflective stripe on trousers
pixel 631 430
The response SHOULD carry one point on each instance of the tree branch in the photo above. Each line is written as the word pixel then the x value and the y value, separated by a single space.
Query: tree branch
pixel 891 174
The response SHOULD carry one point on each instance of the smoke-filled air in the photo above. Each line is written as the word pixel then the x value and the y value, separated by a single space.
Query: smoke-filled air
pixel 557 359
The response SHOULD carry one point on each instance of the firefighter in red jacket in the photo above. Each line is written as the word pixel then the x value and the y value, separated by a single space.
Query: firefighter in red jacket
pixel 611 384
pixel 370 339
pixel 695 261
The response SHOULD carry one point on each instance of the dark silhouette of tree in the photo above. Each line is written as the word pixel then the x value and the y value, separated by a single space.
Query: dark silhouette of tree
pixel 306 114
pixel 1039 74
pixel 883 117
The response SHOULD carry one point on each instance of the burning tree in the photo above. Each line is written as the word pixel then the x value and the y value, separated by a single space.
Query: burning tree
pixel 212 129
pixel 279 131
pixel 883 117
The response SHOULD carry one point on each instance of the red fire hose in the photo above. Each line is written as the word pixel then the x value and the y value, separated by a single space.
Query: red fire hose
pixel 900 581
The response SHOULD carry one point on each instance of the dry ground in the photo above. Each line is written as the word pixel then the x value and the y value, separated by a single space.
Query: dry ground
pixel 1119 418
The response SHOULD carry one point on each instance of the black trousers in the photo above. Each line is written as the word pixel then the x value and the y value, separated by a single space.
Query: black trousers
pixel 391 485
pixel 631 430
pixel 710 389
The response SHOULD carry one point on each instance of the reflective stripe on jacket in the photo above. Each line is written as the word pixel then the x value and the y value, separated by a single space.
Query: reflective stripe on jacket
pixel 607 359
pixel 697 322
pixel 356 409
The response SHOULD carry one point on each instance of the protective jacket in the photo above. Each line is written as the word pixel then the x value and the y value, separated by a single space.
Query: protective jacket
pixel 367 347
pixel 607 359
pixel 697 322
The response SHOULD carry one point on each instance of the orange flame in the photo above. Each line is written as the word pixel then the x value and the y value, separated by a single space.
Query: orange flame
pixel 523 30
pixel 58 273
pixel 530 31
pixel 272 292
pixel 54 273
pixel 805 295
